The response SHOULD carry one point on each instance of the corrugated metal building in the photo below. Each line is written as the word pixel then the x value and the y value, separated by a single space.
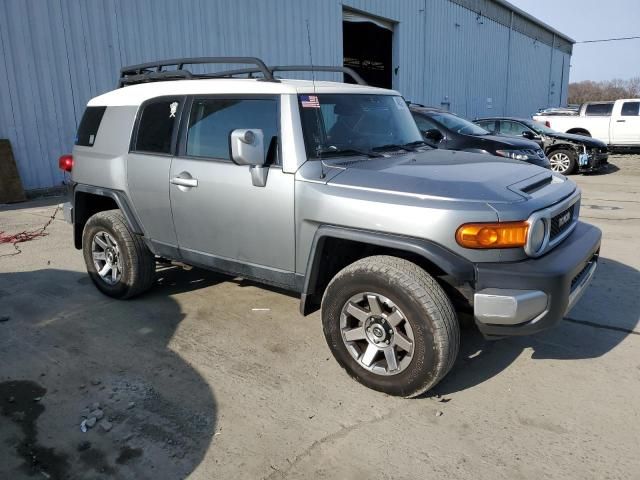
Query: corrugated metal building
pixel 474 57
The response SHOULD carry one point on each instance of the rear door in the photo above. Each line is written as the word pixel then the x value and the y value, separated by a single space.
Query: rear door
pixel 221 219
pixel 625 123
pixel 148 165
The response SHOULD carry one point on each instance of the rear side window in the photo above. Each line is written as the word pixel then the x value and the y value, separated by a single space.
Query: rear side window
pixel 599 109
pixel 89 125
pixel 489 126
pixel 514 129
pixel 156 124
pixel 630 109
pixel 212 120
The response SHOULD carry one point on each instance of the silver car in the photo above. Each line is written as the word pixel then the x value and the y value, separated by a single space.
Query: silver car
pixel 328 190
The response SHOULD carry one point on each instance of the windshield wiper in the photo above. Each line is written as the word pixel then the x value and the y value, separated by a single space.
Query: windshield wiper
pixel 394 146
pixel 418 143
pixel 322 151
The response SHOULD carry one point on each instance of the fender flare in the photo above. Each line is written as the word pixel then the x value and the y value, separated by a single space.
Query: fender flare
pixel 116 195
pixel 459 269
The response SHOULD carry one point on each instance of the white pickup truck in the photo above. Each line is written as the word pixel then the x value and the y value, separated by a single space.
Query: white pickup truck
pixel 615 123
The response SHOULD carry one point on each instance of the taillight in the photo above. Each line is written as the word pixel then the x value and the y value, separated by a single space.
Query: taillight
pixel 65 162
pixel 547 124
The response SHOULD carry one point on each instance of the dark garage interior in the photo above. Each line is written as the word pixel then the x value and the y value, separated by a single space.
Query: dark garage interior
pixel 367 48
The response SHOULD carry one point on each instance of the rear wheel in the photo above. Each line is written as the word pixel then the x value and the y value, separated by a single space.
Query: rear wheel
pixel 390 325
pixel 563 161
pixel 118 261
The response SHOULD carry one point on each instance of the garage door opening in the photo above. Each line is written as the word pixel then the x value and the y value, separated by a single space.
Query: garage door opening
pixel 367 45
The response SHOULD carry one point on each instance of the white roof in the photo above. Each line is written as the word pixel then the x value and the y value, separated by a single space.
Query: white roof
pixel 137 94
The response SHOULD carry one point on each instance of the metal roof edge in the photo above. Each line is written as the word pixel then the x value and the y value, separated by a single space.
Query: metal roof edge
pixel 530 17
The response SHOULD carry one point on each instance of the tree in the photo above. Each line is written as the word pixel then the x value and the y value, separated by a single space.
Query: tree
pixel 590 91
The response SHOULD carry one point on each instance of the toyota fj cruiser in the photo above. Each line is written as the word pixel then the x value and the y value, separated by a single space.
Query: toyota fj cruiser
pixel 326 189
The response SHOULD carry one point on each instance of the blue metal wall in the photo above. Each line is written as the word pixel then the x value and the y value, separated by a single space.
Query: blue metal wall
pixel 57 54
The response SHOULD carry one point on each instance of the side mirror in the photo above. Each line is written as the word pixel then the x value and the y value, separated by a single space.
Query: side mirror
pixel 433 134
pixel 247 148
pixel 529 134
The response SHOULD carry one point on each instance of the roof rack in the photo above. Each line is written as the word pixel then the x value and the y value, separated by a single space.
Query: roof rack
pixel 290 68
pixel 153 71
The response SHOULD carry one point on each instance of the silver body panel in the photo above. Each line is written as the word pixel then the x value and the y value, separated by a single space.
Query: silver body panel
pixel 425 195
pixel 148 188
pixel 227 216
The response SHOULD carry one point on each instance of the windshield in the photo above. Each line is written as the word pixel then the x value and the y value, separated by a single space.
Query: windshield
pixel 458 124
pixel 356 123
pixel 539 127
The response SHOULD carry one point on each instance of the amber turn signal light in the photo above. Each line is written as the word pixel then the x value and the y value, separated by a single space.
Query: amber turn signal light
pixel 492 235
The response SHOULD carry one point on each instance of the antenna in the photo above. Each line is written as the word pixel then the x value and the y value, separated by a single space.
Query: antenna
pixel 313 73
pixel 313 79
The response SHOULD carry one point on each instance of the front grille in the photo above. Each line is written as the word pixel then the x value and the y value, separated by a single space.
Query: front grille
pixel 556 228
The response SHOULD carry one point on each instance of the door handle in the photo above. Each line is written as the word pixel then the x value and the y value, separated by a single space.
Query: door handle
pixel 620 121
pixel 184 179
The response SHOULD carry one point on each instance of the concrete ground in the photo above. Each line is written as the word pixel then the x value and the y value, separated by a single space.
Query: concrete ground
pixel 209 377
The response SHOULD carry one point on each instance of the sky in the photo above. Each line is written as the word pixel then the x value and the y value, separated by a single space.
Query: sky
pixel 594 20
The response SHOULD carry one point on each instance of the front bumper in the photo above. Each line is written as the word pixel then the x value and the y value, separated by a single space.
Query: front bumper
pixel 521 298
pixel 595 162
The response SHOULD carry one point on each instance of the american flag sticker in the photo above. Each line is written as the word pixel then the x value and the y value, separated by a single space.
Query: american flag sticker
pixel 309 101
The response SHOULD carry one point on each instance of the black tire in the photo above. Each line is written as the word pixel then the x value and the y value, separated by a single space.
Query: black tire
pixel 570 154
pixel 137 262
pixel 426 308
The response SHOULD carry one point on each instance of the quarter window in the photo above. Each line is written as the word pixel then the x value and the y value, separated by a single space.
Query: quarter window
pixel 89 125
pixel 212 120
pixel 598 109
pixel 155 129
pixel 630 109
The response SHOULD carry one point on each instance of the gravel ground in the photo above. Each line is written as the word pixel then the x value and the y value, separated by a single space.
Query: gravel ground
pixel 210 377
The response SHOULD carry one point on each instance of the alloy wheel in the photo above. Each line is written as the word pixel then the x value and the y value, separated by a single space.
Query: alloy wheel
pixel 377 334
pixel 560 162
pixel 106 257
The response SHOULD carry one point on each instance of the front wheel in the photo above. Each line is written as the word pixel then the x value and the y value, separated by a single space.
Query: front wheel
pixel 390 325
pixel 563 161
pixel 118 261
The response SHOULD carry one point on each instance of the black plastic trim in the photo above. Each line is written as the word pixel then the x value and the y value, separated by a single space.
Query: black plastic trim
pixel 458 269
pixel 552 274
pixel 119 197
pixel 271 276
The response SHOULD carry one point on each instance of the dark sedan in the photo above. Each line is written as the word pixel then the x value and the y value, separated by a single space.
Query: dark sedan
pixel 448 131
pixel 567 153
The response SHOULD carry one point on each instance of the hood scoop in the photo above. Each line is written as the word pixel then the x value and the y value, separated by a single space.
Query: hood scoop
pixel 534 185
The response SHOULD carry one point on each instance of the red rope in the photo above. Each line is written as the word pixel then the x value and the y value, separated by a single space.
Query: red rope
pixel 26 235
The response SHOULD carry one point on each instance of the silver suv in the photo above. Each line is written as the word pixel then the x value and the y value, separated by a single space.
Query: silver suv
pixel 328 190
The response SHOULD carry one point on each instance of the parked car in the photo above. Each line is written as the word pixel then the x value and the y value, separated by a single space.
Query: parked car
pixel 328 190
pixel 615 123
pixel 451 132
pixel 569 110
pixel 567 153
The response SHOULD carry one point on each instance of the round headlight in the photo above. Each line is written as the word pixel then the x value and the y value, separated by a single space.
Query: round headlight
pixel 537 231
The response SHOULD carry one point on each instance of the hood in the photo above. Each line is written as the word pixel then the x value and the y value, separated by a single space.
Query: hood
pixel 580 139
pixel 512 143
pixel 439 174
